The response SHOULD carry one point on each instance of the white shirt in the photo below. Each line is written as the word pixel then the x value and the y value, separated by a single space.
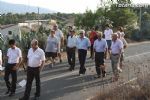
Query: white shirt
pixel 83 43
pixel 14 55
pixel 0 57
pixel 52 44
pixel 72 41
pixel 59 34
pixel 108 34
pixel 116 46
pixel 35 58
pixel 100 45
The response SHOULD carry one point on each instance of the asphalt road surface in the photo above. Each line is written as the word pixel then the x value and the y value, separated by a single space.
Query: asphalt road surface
pixel 58 83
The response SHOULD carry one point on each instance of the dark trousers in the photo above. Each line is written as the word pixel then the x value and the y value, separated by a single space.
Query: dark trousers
pixel 99 60
pixel 71 57
pixel 9 70
pixel 31 74
pixel 82 57
pixel 91 50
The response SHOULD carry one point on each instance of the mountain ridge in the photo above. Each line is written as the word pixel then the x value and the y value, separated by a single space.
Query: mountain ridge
pixel 6 7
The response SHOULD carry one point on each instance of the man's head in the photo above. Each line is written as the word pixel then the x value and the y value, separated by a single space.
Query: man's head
pixel 34 44
pixel 82 33
pixel 114 36
pixel 72 32
pixel 99 34
pixel 55 27
pixel 12 43
pixel 120 28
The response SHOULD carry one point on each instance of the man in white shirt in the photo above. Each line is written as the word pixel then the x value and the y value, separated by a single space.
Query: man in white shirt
pixel 116 50
pixel 100 48
pixel 83 44
pixel 36 60
pixel 14 56
pixel 108 36
pixel 71 49
pixel 60 37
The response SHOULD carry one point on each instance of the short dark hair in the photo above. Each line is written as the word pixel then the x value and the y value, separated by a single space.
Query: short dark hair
pixel 12 42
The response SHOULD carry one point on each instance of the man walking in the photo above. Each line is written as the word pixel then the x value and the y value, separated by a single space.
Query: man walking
pixel 14 56
pixel 116 50
pixel 108 37
pixel 71 49
pixel 36 60
pixel 83 43
pixel 100 48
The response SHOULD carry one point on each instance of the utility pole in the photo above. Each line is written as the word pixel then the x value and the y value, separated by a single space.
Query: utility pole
pixel 38 15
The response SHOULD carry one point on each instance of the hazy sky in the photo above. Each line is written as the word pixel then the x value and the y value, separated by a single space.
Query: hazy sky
pixel 67 6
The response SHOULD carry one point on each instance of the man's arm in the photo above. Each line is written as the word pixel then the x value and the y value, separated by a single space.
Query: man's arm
pixel 43 60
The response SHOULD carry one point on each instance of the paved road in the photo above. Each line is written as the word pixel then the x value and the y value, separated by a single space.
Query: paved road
pixel 60 84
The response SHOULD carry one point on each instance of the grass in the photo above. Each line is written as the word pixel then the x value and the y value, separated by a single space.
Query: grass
pixel 138 89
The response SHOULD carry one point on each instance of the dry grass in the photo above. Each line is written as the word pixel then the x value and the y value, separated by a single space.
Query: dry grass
pixel 138 89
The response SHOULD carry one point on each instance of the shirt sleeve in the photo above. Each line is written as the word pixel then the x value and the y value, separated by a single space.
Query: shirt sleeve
pixel 111 31
pixel 8 53
pixel 19 53
pixel 61 34
pixel 28 53
pixel 89 43
pixel 42 55
pixel 120 45
pixel 94 45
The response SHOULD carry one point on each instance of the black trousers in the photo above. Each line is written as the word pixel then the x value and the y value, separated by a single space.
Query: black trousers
pixel 91 50
pixel 31 74
pixel 99 60
pixel 71 56
pixel 9 70
pixel 82 57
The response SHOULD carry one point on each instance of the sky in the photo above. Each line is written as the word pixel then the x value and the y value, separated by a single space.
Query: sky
pixel 66 6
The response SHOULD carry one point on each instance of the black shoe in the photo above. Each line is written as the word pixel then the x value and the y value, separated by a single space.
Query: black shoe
pixel 23 98
pixel 8 91
pixel 11 94
pixel 60 61
pixel 36 97
pixel 70 69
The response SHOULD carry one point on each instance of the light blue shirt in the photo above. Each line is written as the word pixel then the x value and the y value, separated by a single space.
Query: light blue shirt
pixel 100 45
pixel 83 43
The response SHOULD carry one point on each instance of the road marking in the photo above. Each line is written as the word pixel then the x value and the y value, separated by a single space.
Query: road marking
pixel 19 90
pixel 137 55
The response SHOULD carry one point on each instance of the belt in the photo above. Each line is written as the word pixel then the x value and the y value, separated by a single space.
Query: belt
pixel 71 47
pixel 115 54
pixel 33 67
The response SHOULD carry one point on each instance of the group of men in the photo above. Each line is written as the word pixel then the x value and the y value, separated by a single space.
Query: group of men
pixel 113 44
pixel 108 46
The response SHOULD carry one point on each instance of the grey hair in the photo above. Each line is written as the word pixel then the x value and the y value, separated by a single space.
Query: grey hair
pixel 34 41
